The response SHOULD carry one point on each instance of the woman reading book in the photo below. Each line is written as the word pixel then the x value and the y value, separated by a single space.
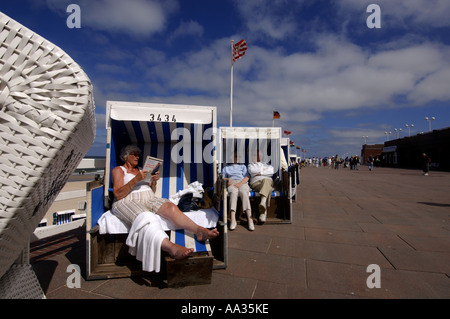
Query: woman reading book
pixel 134 195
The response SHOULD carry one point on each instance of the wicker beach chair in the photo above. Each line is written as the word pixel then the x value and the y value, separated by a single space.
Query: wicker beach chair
pixel 47 125
pixel 184 136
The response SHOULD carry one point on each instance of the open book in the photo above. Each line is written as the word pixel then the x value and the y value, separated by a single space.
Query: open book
pixel 152 165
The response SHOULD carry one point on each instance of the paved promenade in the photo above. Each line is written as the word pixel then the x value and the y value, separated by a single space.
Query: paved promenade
pixel 343 222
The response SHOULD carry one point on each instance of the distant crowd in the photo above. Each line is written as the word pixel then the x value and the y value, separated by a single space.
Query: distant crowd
pixel 336 162
pixel 354 162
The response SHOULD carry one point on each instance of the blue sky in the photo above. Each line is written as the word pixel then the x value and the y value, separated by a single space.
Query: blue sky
pixel 332 79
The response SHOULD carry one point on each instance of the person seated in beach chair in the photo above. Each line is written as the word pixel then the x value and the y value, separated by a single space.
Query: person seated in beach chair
pixel 261 181
pixel 133 196
pixel 237 178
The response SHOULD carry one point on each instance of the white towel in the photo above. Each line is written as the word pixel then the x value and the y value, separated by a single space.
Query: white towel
pixel 109 224
pixel 196 188
pixel 145 239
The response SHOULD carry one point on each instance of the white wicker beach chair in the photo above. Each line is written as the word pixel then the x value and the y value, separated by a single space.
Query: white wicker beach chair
pixel 20 282
pixel 47 125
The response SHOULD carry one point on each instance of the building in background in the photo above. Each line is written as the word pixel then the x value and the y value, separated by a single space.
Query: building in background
pixel 406 152
pixel 374 150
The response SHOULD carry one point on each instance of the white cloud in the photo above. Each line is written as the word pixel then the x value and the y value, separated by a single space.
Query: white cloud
pixel 271 19
pixel 138 18
pixel 353 135
pixel 418 59
pixel 152 56
pixel 433 87
pixel 344 77
pixel 109 68
pixel 189 28
pixel 205 70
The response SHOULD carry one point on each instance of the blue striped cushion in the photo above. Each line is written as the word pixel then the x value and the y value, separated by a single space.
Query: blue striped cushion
pixel 189 240
pixel 274 194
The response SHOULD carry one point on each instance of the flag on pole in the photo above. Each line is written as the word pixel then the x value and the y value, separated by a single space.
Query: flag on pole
pixel 287 132
pixel 276 115
pixel 239 50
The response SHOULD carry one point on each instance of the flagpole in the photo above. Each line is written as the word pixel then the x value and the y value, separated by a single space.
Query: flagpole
pixel 231 87
pixel 273 117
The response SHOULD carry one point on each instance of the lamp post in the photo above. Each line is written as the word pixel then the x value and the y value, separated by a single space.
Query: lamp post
pixel 387 135
pixel 365 139
pixel 409 128
pixel 398 131
pixel 429 122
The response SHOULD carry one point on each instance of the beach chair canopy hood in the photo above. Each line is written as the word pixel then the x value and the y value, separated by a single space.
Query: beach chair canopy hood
pixel 182 135
pixel 47 124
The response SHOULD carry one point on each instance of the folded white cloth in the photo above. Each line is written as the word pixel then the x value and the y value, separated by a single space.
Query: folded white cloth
pixel 196 188
pixel 109 224
pixel 144 240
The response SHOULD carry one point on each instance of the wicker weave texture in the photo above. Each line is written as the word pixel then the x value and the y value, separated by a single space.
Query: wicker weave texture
pixel 20 282
pixel 47 124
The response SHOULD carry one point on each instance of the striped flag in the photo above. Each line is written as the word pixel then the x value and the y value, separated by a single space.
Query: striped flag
pixel 239 50
pixel 276 115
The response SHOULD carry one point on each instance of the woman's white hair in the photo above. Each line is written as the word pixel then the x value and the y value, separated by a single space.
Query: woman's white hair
pixel 127 150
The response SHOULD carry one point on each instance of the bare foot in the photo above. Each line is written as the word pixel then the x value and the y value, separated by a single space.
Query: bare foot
pixel 176 251
pixel 180 252
pixel 204 234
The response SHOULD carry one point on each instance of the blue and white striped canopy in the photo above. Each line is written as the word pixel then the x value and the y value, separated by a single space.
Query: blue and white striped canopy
pixel 187 148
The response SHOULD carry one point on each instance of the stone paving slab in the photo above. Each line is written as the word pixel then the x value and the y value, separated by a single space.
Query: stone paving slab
pixel 407 259
pixel 333 252
pixel 423 243
pixel 373 239
pixel 350 280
